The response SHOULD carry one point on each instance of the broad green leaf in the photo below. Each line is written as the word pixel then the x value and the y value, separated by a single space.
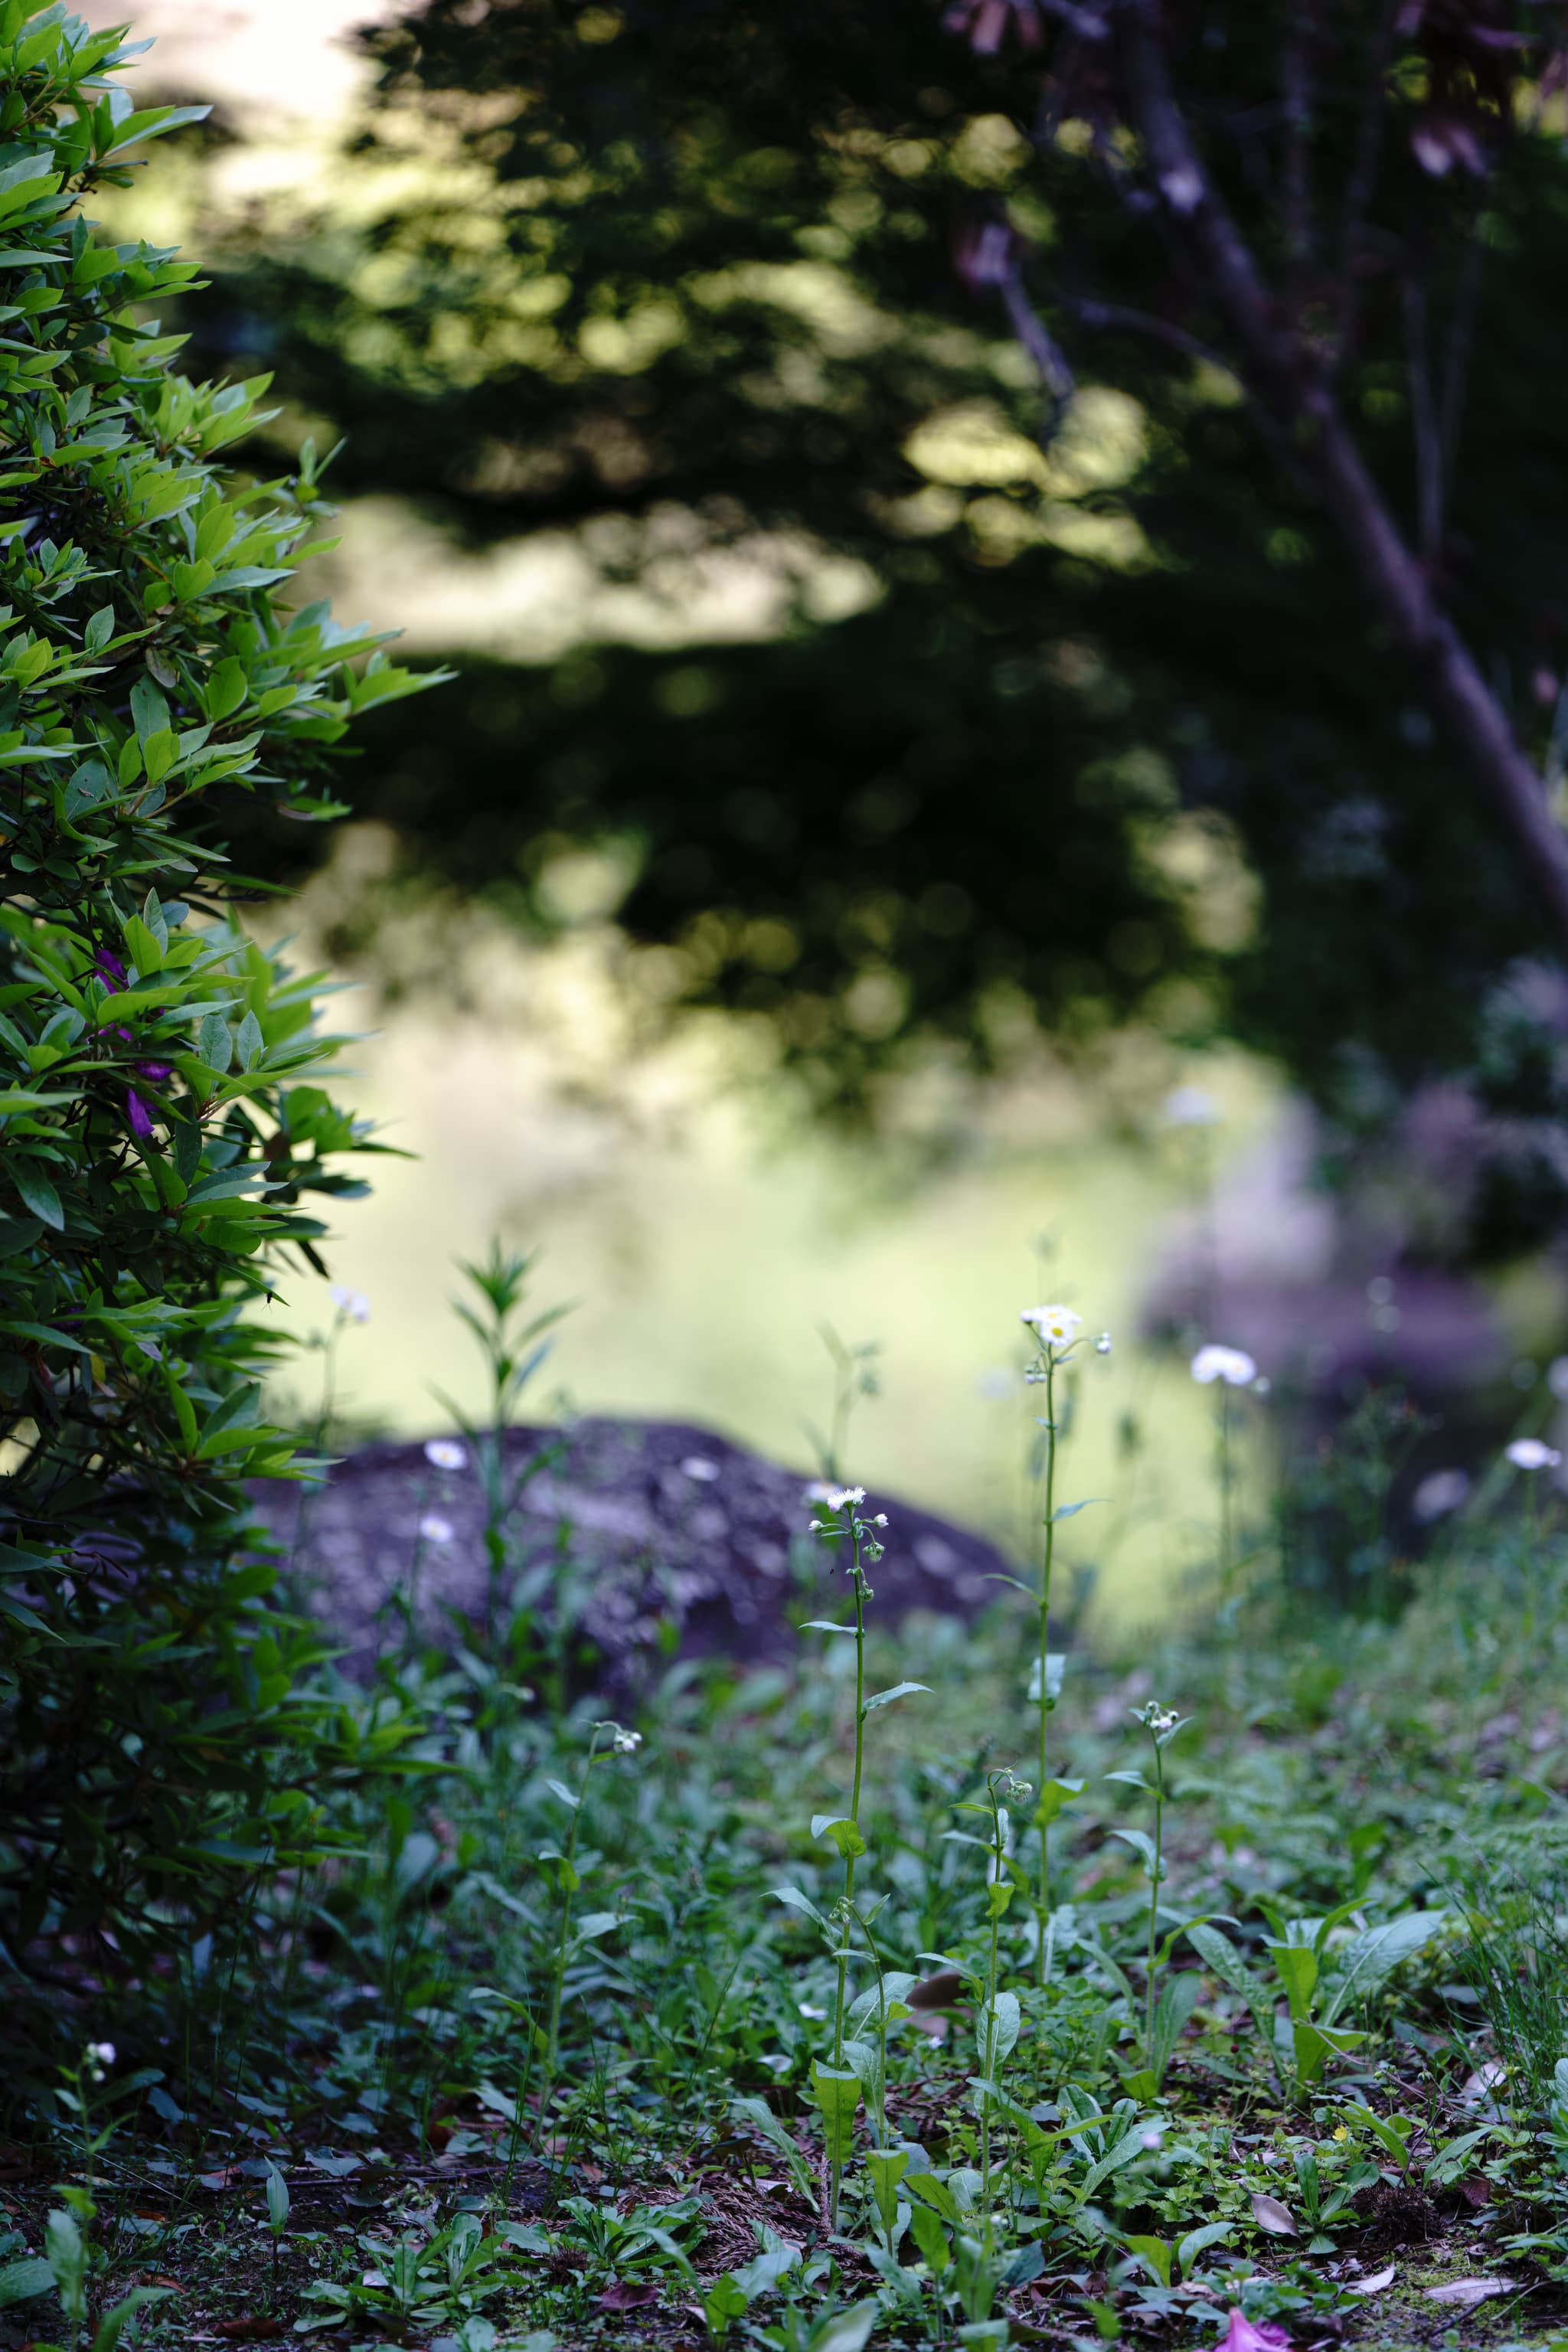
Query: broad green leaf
pixel 1155 2253
pixel 934 2193
pixel 844 1832
pixel 1197 2242
pixel 997 2028
pixel 899 1690
pixel 887 2168
pixel 1297 1970
pixel 23 2282
pixel 1055 1797
pixel 931 2238
pixel 1142 1846
pixel 837 2092
pixel 36 1190
pixel 277 2201
pixel 799 1902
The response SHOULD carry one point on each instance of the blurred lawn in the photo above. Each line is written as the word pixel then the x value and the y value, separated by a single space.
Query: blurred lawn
pixel 705 1236
pixel 706 1231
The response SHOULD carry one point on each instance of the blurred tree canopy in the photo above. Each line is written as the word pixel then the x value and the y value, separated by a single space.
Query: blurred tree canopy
pixel 1080 707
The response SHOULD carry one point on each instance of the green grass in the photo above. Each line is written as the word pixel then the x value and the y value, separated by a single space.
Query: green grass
pixel 376 2032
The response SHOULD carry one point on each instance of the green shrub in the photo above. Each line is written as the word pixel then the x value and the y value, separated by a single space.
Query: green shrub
pixel 161 1129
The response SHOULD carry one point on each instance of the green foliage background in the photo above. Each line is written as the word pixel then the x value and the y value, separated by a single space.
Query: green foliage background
pixel 164 1138
pixel 665 258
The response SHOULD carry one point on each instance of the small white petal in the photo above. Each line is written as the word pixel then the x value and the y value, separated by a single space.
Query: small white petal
pixel 446 1454
pixel 1529 1454
pixel 1233 1366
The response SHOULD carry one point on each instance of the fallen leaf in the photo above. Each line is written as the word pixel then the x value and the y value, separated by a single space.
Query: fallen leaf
pixel 250 2328
pixel 1471 2290
pixel 938 1991
pixel 1477 2190
pixel 1484 2080
pixel 1243 2334
pixel 1270 2214
pixel 1373 2285
pixel 229 2176
pixel 627 2294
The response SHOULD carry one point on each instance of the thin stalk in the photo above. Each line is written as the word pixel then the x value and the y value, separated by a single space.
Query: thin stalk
pixel 1226 1558
pixel 1043 1901
pixel 848 1897
pixel 1154 1893
pixel 568 1889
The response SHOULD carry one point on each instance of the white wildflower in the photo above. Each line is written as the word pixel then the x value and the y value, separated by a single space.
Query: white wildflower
pixel 809 2009
pixel 1442 1492
pixel 353 1304
pixel 1190 1107
pixel 841 1498
pixel 1530 1453
pixel 104 2052
pixel 1102 1345
pixel 1233 1366
pixel 1156 1718
pixel 698 1466
pixel 626 1743
pixel 1056 1326
pixel 880 1521
pixel 446 1454
pixel 435 1529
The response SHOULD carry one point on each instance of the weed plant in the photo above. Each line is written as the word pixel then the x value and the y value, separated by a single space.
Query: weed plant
pixel 743 2026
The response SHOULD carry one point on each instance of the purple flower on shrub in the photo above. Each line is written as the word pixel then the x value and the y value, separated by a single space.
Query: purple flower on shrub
pixel 140 1114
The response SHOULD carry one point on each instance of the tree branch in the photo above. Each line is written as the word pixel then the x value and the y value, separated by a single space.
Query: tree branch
pixel 1423 422
pixel 1295 196
pixel 1359 188
pixel 1288 384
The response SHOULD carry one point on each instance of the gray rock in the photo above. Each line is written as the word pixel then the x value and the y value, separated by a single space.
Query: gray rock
pixel 658 1539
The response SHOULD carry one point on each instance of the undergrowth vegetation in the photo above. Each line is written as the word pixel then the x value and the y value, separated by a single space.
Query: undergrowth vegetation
pixel 787 2006
pixel 939 1988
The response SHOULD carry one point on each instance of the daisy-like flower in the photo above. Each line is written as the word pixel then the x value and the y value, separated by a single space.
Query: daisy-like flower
pixel 351 1303
pixel 1530 1453
pixel 1157 1718
pixel 1190 1107
pixel 1233 1366
pixel 1442 1492
pixel 435 1529
pixel 840 1498
pixel 1056 1325
pixel 446 1454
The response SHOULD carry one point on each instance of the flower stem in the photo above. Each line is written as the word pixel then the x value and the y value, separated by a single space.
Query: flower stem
pixel 1043 1901
pixel 568 1889
pixel 858 1581
pixel 1154 1894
